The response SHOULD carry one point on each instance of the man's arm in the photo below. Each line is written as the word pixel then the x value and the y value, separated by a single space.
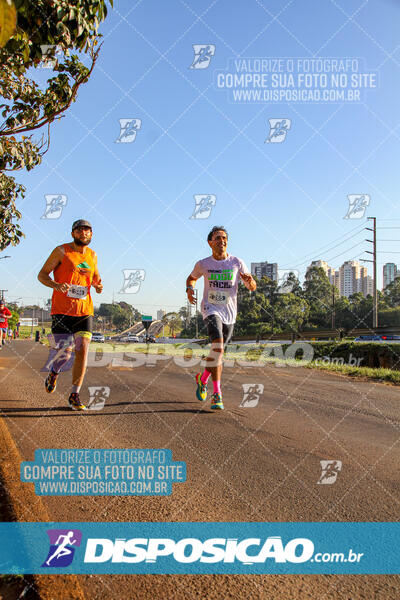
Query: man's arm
pixel 96 281
pixel 248 281
pixel 51 263
pixel 190 283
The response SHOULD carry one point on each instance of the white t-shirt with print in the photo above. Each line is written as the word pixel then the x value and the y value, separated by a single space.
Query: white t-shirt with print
pixel 221 279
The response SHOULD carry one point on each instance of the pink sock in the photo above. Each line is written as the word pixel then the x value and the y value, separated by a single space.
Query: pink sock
pixel 205 377
pixel 217 387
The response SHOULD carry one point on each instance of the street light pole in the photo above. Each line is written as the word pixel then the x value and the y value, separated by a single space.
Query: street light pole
pixel 375 294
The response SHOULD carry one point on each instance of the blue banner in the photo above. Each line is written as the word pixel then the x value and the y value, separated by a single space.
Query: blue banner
pixel 167 548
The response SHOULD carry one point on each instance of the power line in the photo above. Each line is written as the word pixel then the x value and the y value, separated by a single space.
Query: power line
pixel 348 249
pixel 329 248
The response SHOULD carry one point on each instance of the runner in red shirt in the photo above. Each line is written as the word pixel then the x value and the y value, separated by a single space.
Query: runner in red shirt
pixel 4 314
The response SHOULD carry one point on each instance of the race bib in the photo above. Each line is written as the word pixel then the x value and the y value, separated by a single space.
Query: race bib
pixel 2 319
pixel 77 291
pixel 220 298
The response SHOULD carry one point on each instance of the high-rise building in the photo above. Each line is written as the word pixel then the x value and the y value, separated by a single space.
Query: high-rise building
pixel 266 269
pixel 160 314
pixel 322 264
pixel 349 279
pixel 390 272
pixel 368 286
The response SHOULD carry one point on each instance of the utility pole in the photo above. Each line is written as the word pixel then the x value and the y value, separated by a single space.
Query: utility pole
pixel 196 315
pixel 375 295
pixel 333 307
pixel 33 318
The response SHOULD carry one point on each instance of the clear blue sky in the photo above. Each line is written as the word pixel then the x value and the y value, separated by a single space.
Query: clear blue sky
pixel 281 202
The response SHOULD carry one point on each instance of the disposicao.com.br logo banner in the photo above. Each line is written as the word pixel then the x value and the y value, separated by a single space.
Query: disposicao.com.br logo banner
pixel 167 548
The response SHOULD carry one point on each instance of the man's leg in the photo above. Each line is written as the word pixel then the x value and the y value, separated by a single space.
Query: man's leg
pixel 214 363
pixel 82 343
pixel 213 367
pixel 61 355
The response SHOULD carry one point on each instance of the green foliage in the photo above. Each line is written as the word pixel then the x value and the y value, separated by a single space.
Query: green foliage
pixel 10 232
pixel 319 294
pixel 8 21
pixel 268 311
pixel 13 320
pixel 43 26
pixel 373 355
pixel 121 314
pixel 392 293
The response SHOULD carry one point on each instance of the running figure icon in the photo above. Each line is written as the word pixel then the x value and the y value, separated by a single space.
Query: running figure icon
pixel 62 549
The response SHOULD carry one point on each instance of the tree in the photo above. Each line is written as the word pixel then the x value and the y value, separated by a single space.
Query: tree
pixel 174 322
pixel 318 292
pixel 121 314
pixel 291 285
pixel 291 312
pixel 13 320
pixel 392 293
pixel 43 27
pixel 255 314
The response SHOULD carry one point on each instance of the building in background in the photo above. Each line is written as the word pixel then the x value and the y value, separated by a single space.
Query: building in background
pixel 265 269
pixel 349 279
pixel 160 314
pixel 322 264
pixel 390 272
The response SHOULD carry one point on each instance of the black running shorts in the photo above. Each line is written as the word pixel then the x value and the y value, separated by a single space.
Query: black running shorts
pixel 217 329
pixel 71 325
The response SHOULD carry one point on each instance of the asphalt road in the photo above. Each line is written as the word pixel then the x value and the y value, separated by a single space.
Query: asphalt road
pixel 259 463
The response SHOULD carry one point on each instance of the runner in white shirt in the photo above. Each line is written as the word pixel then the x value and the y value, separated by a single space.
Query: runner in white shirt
pixel 221 273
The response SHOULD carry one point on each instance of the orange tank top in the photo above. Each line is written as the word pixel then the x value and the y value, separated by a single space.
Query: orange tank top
pixel 77 269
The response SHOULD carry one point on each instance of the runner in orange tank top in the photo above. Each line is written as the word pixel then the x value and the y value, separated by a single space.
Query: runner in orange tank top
pixel 74 266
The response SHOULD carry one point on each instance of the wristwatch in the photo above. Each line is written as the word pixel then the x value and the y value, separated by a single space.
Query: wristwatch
pixel 190 287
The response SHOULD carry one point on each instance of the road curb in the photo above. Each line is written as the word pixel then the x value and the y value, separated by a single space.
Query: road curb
pixel 20 496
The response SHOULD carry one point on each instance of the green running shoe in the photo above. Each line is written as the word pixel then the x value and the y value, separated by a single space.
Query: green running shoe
pixel 201 392
pixel 216 402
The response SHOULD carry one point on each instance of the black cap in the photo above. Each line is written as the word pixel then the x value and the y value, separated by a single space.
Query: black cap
pixel 80 223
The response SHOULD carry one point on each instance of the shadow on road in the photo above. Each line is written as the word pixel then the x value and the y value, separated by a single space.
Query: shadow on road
pixel 15 413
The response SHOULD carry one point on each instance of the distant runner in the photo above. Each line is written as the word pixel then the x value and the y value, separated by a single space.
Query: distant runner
pixel 221 273
pixel 75 271
pixel 4 314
